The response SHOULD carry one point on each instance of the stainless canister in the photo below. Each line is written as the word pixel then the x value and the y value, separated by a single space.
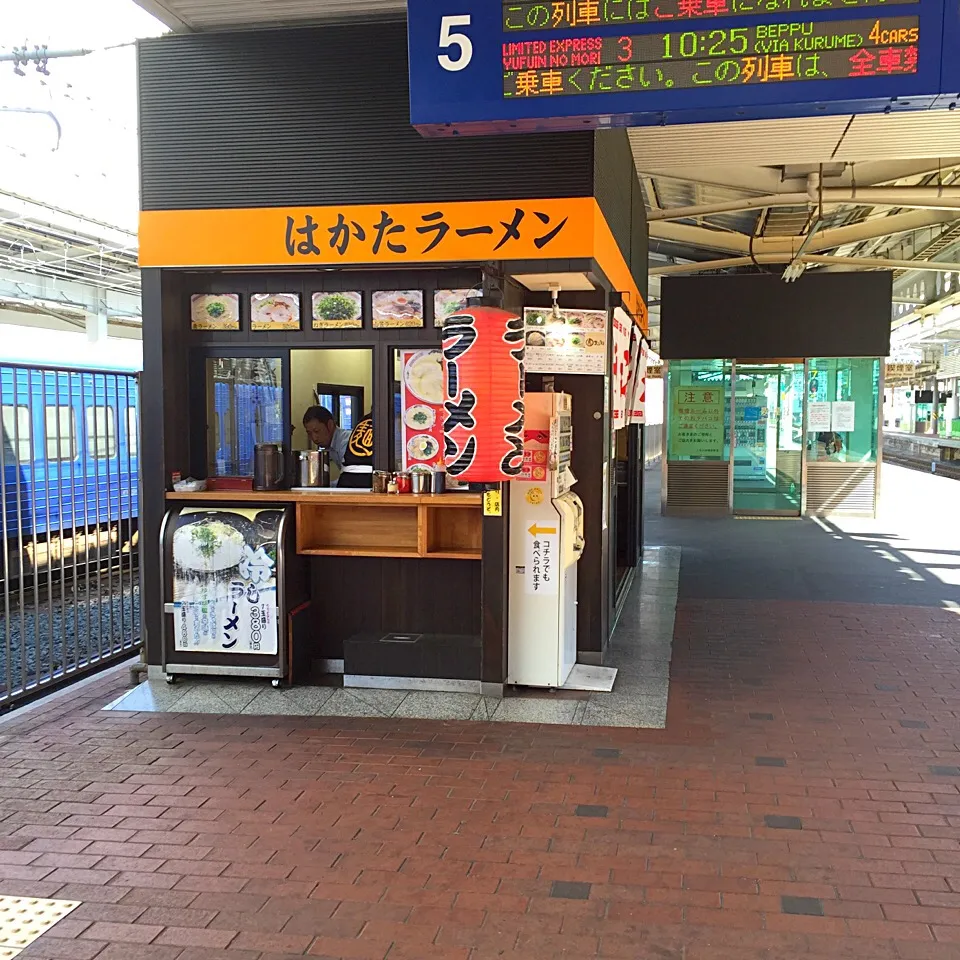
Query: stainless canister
pixel 268 466
pixel 420 481
pixel 314 468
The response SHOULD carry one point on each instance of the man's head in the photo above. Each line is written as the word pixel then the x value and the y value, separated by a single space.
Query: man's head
pixel 319 424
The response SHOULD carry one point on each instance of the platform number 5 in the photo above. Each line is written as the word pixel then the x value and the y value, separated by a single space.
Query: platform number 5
pixel 459 40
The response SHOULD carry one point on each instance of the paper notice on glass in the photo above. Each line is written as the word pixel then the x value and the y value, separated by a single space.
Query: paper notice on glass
pixel 844 415
pixel 818 416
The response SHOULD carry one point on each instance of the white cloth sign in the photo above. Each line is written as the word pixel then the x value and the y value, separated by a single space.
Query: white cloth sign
pixel 620 367
pixel 636 408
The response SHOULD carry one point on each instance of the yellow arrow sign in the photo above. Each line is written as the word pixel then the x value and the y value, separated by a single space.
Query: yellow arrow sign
pixel 535 530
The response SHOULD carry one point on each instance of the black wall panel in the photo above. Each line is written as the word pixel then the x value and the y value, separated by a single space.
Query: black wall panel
pixel 617 189
pixel 758 315
pixel 291 117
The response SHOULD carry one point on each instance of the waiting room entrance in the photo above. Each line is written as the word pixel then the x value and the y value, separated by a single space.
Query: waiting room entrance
pixel 767 413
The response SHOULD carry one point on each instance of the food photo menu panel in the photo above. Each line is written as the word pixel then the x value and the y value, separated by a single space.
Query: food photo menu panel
pixel 275 311
pixel 422 412
pixel 565 341
pixel 397 308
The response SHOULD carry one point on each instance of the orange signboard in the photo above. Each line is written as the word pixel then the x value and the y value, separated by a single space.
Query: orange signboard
pixel 389 235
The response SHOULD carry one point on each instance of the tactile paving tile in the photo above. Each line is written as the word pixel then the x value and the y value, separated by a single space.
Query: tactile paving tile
pixel 24 919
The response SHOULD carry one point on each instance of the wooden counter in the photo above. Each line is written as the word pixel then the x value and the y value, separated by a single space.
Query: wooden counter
pixel 351 524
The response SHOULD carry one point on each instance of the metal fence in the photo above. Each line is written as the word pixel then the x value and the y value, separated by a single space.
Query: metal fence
pixel 652 443
pixel 69 502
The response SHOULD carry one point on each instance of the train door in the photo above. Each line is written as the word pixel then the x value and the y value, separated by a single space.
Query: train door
pixel 16 440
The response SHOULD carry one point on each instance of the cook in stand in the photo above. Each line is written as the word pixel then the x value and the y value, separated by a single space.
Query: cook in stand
pixel 351 451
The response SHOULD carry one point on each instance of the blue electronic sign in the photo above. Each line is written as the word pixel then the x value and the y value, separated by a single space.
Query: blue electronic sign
pixel 489 66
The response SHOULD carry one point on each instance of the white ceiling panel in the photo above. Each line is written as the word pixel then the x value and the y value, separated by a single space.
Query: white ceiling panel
pixel 895 136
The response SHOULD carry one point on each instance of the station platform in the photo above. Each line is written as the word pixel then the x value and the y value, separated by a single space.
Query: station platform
pixel 803 800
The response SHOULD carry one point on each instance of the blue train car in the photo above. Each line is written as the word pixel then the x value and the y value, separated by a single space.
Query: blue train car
pixel 70 453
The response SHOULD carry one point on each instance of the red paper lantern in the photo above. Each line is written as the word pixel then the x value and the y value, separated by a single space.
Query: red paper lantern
pixel 483 351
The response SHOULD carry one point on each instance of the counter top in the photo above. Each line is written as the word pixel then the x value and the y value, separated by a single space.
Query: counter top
pixel 329 495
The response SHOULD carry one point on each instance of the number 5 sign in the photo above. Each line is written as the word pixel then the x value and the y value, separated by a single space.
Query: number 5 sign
pixel 460 40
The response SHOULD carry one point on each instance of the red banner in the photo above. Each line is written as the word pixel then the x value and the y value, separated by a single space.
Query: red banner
pixel 483 353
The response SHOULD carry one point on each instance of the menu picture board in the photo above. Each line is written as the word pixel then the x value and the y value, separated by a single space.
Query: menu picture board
pixel 448 302
pixel 421 408
pixel 565 341
pixel 338 310
pixel 225 581
pixel 397 308
pixel 275 311
pixel 215 311
pixel 696 422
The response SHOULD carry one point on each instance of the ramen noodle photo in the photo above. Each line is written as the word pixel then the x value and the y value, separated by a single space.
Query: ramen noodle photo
pixel 423 376
pixel 215 311
pixel 448 302
pixel 275 311
pixel 397 308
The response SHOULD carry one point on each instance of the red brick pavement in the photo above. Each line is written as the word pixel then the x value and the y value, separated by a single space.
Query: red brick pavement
pixel 195 837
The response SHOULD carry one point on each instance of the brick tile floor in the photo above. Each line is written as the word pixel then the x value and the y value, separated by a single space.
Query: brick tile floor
pixel 803 802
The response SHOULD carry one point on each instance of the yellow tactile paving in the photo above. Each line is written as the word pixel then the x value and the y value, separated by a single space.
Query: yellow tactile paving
pixel 23 919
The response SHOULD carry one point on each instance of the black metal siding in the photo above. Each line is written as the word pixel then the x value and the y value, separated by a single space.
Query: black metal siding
pixel 319 116
pixel 617 189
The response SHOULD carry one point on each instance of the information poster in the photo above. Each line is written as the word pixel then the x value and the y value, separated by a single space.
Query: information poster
pixel 541 578
pixel 568 341
pixel 421 408
pixel 844 416
pixel 225 581
pixel 696 422
pixel 818 416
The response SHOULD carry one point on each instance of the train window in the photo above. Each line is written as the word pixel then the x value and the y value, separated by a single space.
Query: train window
pixel 16 434
pixel 101 432
pixel 59 426
pixel 132 431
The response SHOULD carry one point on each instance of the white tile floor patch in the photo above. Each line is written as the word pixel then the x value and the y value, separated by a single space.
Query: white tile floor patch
pixel 24 919
pixel 585 677
pixel 633 693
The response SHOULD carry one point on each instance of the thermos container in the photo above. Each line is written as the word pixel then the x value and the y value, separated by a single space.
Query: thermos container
pixel 314 468
pixel 268 470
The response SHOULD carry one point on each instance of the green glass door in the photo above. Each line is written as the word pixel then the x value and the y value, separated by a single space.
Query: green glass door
pixel 768 439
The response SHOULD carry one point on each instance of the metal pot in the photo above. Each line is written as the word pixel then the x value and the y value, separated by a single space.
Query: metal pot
pixel 420 481
pixel 268 471
pixel 314 468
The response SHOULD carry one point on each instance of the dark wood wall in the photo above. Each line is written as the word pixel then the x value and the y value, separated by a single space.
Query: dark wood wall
pixel 354 595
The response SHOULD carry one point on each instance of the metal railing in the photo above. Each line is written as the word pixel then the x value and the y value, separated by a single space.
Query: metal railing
pixel 69 502
pixel 652 443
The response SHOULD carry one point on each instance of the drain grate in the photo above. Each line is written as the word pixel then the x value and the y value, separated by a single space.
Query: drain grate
pixel 24 919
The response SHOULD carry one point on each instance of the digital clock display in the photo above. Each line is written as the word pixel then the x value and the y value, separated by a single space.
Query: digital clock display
pixel 569 14
pixel 777 52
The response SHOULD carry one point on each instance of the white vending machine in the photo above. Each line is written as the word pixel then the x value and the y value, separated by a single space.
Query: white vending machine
pixel 546 541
